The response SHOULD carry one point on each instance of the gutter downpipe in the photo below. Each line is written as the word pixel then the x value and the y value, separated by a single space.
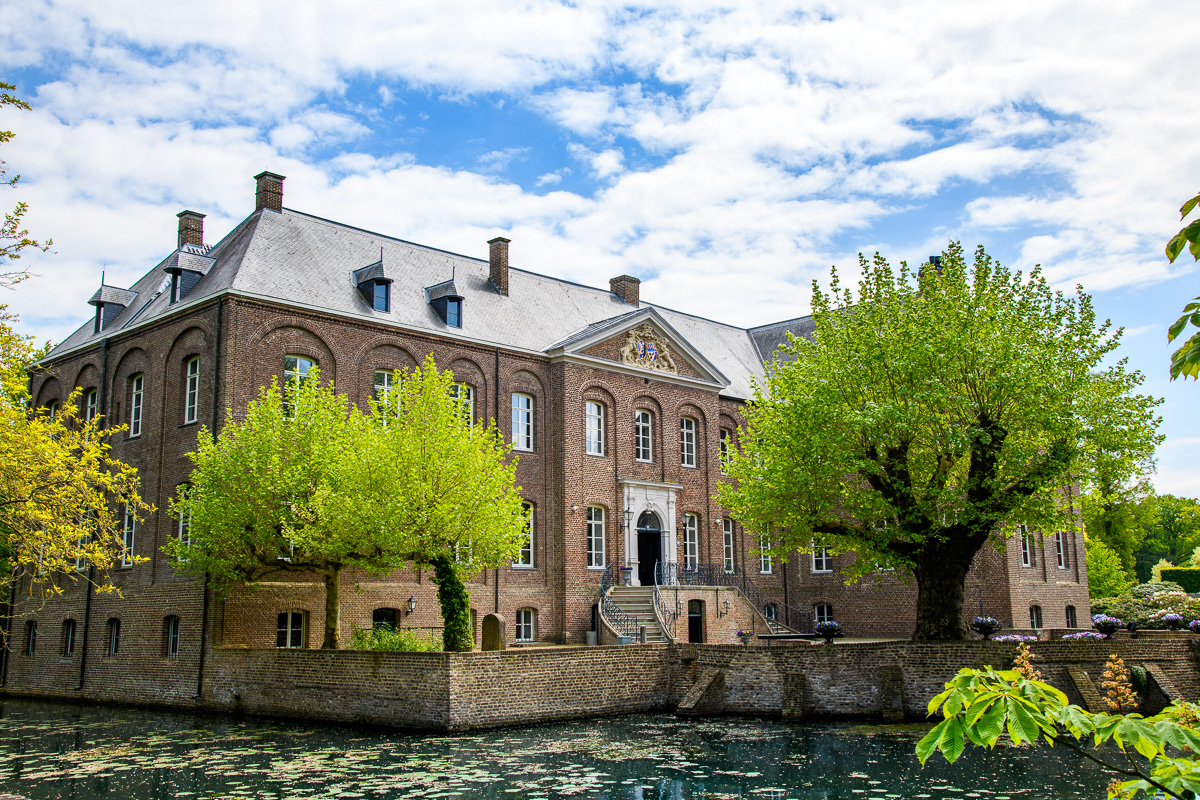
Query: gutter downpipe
pixel 496 416
pixel 87 603
pixel 216 417
pixel 4 652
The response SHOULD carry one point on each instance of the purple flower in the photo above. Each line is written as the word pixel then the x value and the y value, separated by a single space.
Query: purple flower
pixel 1195 625
pixel 1172 621
pixel 827 630
pixel 1015 637
pixel 1090 636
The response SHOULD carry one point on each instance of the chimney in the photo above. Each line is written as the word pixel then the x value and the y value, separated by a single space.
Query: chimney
pixel 499 263
pixel 626 287
pixel 191 228
pixel 268 192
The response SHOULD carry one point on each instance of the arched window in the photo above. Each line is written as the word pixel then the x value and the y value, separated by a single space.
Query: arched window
pixel 526 630
pixel 595 537
pixel 386 618
pixel 30 638
pixel 1072 622
pixel 687 442
pixel 68 638
pixel 170 647
pixel 114 637
pixel 822 612
pixel 289 630
pixel 1035 617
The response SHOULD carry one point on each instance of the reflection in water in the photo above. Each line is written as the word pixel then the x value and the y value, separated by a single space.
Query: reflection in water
pixel 59 751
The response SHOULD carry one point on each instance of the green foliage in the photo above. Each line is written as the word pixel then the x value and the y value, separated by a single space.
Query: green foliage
pixel 1187 577
pixel 930 413
pixel 392 640
pixel 456 607
pixel 1174 527
pixel 1186 360
pixel 1119 515
pixel 1106 576
pixel 1154 587
pixel 1140 678
pixel 1148 610
pixel 1156 572
pixel 315 485
pixel 983 706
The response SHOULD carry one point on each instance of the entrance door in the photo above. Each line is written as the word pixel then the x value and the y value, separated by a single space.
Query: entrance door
pixel 696 621
pixel 649 546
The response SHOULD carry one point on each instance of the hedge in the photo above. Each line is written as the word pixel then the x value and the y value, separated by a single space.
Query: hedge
pixel 1187 577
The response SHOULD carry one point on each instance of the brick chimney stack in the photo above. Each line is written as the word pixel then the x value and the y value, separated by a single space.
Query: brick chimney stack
pixel 268 192
pixel 191 228
pixel 627 288
pixel 499 263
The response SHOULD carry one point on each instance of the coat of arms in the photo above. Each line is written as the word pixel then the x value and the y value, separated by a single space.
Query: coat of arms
pixel 644 347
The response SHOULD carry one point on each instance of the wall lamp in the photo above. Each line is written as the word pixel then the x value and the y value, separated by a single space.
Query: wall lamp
pixel 412 604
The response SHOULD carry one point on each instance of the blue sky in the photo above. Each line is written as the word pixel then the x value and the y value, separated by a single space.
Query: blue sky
pixel 726 153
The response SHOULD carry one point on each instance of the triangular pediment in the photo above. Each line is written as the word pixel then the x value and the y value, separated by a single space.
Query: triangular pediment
pixel 640 340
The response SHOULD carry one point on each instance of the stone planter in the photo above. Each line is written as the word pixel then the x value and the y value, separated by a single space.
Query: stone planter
pixel 745 638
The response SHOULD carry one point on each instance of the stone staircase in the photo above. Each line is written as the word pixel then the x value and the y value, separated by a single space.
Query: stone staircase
pixel 778 627
pixel 638 601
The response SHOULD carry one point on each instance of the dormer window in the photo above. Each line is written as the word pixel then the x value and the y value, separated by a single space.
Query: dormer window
pixel 454 313
pixel 175 287
pixel 447 302
pixel 374 285
pixel 109 302
pixel 380 295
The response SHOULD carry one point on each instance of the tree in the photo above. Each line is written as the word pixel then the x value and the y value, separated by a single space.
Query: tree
pixel 307 482
pixel 1186 360
pixel 1106 575
pixel 63 498
pixel 1173 529
pixel 924 418
pixel 13 238
pixel 982 706
pixel 1118 516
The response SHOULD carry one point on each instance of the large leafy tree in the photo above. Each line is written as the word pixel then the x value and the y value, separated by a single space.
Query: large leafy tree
pixel 307 482
pixel 1186 360
pixel 1106 574
pixel 1173 530
pixel 930 414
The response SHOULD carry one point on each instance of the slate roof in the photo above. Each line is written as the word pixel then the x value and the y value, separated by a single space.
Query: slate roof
pixel 111 294
pixel 769 338
pixel 292 257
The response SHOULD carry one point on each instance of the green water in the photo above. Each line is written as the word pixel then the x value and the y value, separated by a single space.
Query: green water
pixel 59 751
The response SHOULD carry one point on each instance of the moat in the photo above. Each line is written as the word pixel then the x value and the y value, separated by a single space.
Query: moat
pixel 64 751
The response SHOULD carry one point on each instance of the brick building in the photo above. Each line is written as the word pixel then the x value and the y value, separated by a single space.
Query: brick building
pixel 619 411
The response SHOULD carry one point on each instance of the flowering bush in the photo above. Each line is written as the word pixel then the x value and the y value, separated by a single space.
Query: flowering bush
pixel 1015 637
pixel 827 630
pixel 1090 636
pixel 1172 621
pixel 1148 611
pixel 1106 625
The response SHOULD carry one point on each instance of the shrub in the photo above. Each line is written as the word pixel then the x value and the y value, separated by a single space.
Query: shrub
pixel 1188 578
pixel 1148 611
pixel 400 640
pixel 1155 587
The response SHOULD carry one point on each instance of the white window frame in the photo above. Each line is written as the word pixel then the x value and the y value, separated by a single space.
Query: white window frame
pixel 1026 547
pixel 464 393
pixel 594 425
pixel 643 436
pixel 297 373
pixel 296 622
pixel 595 537
pixel 191 400
pixel 137 390
pixel 766 566
pixel 1060 549
pixel 128 537
pixel 526 626
pixel 691 541
pixel 822 561
pixel 90 404
pixel 822 612
pixel 726 438
pixel 727 544
pixel 687 442
pixel 81 543
pixel 522 421
pixel 525 556
pixel 184 533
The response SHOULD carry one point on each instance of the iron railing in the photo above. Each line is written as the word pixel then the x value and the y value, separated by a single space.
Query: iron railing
pixel 675 574
pixel 623 623
pixel 667 616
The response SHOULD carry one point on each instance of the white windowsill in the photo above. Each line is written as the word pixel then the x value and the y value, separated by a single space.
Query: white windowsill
pixel 524 566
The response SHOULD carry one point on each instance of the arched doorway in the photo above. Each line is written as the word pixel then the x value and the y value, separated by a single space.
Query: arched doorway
pixel 649 546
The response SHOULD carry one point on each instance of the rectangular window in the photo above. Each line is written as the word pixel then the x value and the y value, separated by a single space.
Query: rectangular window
pixel 525 625
pixel 525 557
pixel 30 638
pixel 594 415
pixel 765 565
pixel 454 313
pixel 114 637
pixel 726 436
pixel 595 537
pixel 1026 547
pixel 81 552
pixel 727 536
pixel 691 541
pixel 821 560
pixel 185 530
pixel 90 401
pixel 128 536
pixel 1072 622
pixel 687 442
pixel 135 406
pixel 171 637
pixel 68 643
pixel 643 423
pixel 289 630
pixel 1035 617
pixel 386 383
pixel 192 397
pixel 1060 549
pixel 464 393
pixel 522 422
pixel 52 410
pixel 822 612
pixel 380 296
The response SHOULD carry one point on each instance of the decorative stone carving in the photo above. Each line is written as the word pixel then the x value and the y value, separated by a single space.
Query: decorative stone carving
pixel 645 348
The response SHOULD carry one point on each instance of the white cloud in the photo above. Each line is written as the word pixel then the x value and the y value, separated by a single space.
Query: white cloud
pixel 498 160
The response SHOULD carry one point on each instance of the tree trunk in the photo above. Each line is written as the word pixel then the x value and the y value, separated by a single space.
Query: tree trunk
pixel 333 607
pixel 456 607
pixel 941 575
